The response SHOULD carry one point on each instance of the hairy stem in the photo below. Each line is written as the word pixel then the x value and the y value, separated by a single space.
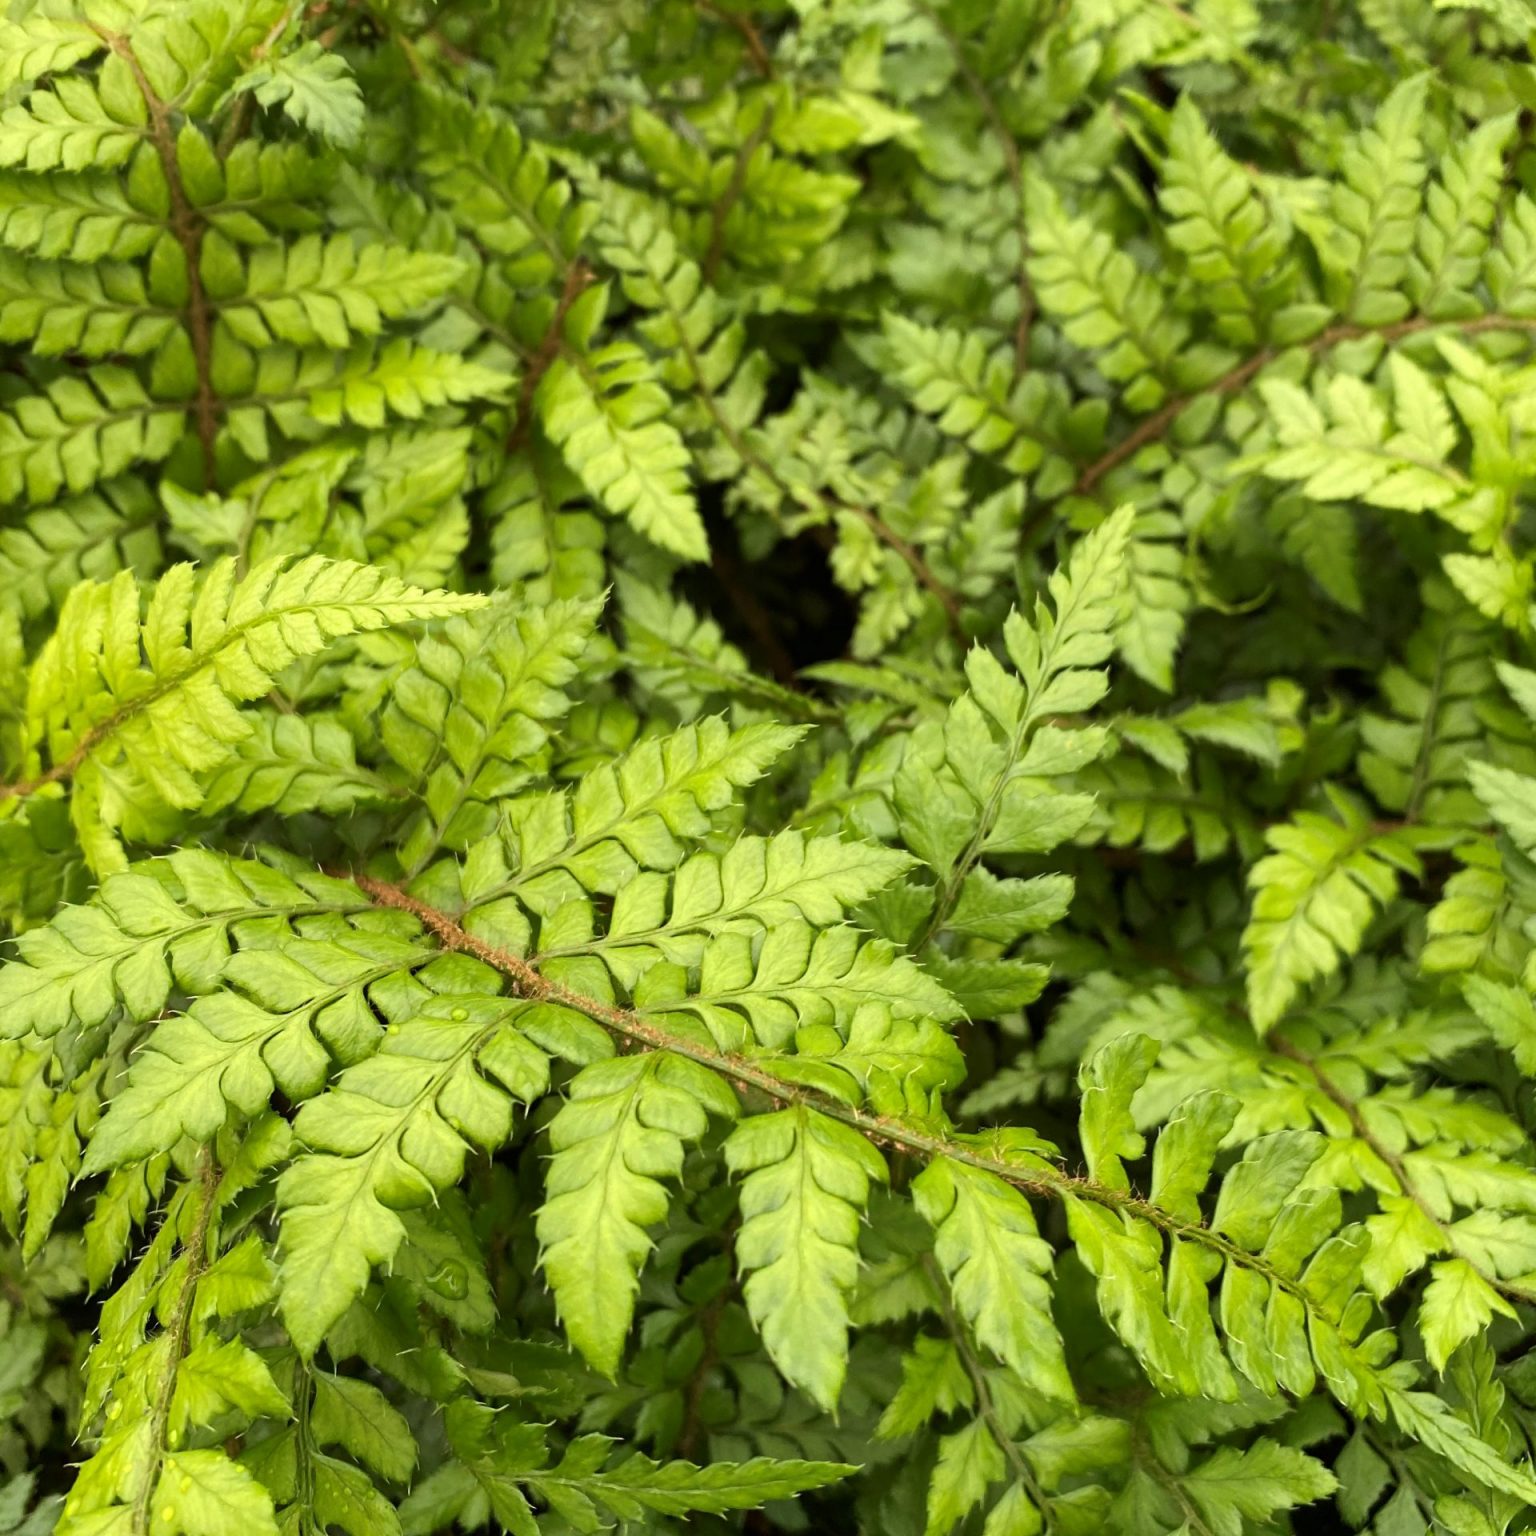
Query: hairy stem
pixel 196 1249
pixel 578 277
pixel 985 1407
pixel 1037 1180
pixel 187 226
pixel 1157 425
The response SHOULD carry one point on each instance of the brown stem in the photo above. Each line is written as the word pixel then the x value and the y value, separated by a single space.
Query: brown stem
pixel 196 1250
pixel 734 188
pixel 578 277
pixel 68 767
pixel 756 50
pixel 985 1407
pixel 1040 1181
pixel 916 564
pixel 187 226
pixel 24 787
pixel 1157 424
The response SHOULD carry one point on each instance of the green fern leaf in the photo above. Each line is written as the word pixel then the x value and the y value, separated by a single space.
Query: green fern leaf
pixel 1314 898
pixel 1376 208
pixel 637 1484
pixel 1234 249
pixel 313 87
pixel 394 1128
pixel 139 939
pixel 135 730
pixel 989 1248
pixel 43 45
pixel 619 1134
pixel 608 417
pixel 805 1180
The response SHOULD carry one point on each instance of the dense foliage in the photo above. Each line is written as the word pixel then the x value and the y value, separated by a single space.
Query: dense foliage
pixel 769 763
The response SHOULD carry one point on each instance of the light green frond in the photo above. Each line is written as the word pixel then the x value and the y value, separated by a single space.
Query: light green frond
pixel 1314 897
pixel 620 1133
pixel 135 711
pixel 805 1182
pixel 393 1129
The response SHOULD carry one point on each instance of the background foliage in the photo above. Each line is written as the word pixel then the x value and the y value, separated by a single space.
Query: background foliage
pixel 767 763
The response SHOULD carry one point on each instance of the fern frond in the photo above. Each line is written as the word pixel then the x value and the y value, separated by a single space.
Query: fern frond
pixel 499 1458
pixel 701 347
pixel 79 431
pixel 991 1253
pixel 166 925
pixel 756 884
pixel 1235 249
pixel 294 763
pixel 620 1133
pixel 89 537
pixel 395 1128
pixel 72 127
pixel 1375 208
pixel 1352 452
pixel 467 1112
pixel 1454 234
pixel 470 718
pixel 1314 898
pixel 991 796
pixel 82 218
pixel 805 1181
pixel 625 815
pixel 141 1463
pixel 276 1023
pixel 95 311
pixel 135 711
pixel 543 538
pixel 313 87
pixel 607 413
pixel 1478 921
pixel 501 189
pixel 44 45
pixel 797 978
pixel 1443 700
pixel 973 398
pixel 328 292
pixel 1104 301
